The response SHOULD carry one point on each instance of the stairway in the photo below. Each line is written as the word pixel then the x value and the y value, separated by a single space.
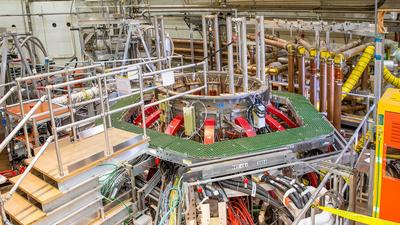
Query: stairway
pixel 46 198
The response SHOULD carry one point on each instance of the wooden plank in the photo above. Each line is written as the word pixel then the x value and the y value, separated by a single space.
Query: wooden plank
pixel 113 212
pixel 22 211
pixel 37 188
pixel 77 151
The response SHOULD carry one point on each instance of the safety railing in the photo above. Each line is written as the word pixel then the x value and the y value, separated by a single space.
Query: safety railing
pixel 362 128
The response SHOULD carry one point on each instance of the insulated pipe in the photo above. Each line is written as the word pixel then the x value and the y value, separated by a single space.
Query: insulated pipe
pixel 244 55
pixel 230 55
pixel 217 45
pixel 301 70
pixel 330 89
pixel 262 49
pixel 305 44
pixel 355 51
pixel 358 70
pixel 291 69
pixel 348 46
pixel 313 80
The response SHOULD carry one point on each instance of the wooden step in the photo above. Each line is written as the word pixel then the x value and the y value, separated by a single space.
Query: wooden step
pixel 22 211
pixel 116 215
pixel 37 188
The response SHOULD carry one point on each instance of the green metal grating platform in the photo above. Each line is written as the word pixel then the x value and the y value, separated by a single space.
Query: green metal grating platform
pixel 314 128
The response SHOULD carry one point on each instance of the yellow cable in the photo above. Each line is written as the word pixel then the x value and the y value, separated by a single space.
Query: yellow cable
pixel 358 70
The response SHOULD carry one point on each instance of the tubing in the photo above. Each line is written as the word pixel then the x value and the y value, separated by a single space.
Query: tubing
pixel 358 70
pixel 390 78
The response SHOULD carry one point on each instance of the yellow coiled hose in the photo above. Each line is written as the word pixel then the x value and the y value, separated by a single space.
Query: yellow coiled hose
pixel 390 78
pixel 358 70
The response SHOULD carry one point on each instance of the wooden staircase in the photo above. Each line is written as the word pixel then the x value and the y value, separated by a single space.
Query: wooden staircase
pixel 46 198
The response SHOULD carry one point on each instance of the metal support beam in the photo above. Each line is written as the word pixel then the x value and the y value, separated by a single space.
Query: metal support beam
pixel 230 55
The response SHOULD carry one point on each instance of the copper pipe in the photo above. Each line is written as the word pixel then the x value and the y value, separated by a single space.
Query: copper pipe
pixel 291 71
pixel 313 82
pixel 301 66
pixel 274 43
pixel 337 110
pixel 323 86
pixel 330 89
pixel 365 78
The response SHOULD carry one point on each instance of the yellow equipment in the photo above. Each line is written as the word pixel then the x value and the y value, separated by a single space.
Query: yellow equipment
pixel 387 158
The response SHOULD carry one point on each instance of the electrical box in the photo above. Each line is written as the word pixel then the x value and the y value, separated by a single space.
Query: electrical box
pixel 189 120
pixel 259 116
pixel 387 158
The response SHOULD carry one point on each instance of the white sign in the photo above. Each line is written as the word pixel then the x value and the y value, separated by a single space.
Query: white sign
pixel 168 78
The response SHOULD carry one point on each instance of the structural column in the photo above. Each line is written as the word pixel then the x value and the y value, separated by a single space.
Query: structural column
pixel 330 89
pixel 313 78
pixel 290 68
pixel 337 102
pixel 301 70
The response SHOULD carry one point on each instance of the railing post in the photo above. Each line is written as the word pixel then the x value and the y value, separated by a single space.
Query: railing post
pixel 140 76
pixel 21 108
pixel 108 150
pixel 71 110
pixel 55 135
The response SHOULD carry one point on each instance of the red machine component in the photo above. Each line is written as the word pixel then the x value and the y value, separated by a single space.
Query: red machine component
pixel 248 129
pixel 209 125
pixel 313 178
pixel 152 118
pixel 147 112
pixel 271 109
pixel 175 125
pixel 275 125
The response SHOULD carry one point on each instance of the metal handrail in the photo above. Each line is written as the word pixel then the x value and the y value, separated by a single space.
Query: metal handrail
pixel 9 137
pixel 329 174
pixel 29 168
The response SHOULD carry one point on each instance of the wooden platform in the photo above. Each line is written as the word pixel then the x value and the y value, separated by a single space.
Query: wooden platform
pixel 76 152
pixel 44 108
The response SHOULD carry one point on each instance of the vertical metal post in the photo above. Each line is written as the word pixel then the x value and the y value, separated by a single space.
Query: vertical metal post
pixel 22 110
pixel 257 36
pixel 205 51
pixel 4 54
pixel 378 70
pixel 217 44
pixel 108 150
pixel 140 76
pixel 127 43
pixel 262 50
pixel 243 40
pixel 290 78
pixel 191 45
pixel 157 40
pixel 71 110
pixel 55 135
pixel 162 30
pixel 230 55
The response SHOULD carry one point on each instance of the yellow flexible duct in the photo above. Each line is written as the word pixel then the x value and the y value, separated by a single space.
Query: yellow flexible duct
pixel 390 78
pixel 358 70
